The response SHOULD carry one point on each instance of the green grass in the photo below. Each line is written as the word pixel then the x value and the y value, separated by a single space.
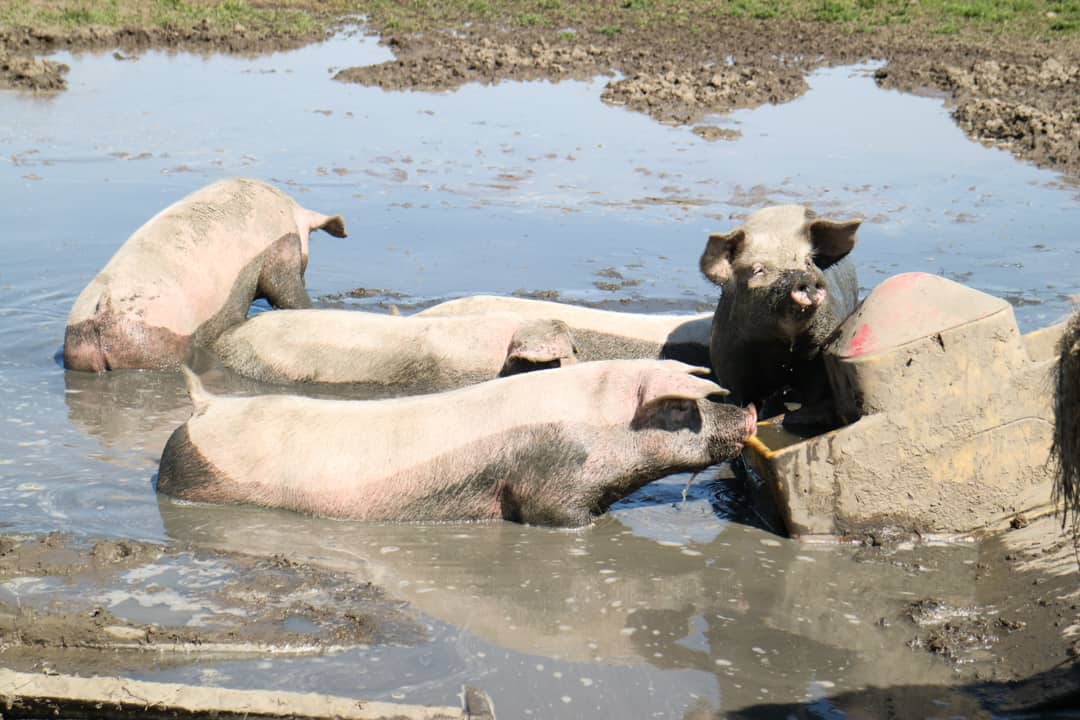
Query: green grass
pixel 66 15
pixel 1045 18
pixel 1036 18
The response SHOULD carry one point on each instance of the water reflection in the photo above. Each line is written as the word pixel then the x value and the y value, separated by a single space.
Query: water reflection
pixel 746 608
pixel 135 410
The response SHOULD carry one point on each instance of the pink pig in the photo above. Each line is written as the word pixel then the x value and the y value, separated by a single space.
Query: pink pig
pixel 551 447
pixel 190 273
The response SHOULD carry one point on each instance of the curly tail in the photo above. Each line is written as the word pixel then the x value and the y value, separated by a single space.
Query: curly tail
pixel 1066 448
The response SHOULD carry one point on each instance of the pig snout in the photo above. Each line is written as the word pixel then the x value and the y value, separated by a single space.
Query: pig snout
pixel 732 427
pixel 808 291
pixel 751 421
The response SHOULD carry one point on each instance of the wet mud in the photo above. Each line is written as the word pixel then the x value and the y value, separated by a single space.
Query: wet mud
pixel 1006 92
pixel 18 46
pixel 1009 92
pixel 119 606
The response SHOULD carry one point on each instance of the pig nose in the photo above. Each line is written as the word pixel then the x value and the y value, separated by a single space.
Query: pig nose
pixel 808 290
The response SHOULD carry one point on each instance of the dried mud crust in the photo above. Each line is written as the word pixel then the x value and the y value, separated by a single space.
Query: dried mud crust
pixel 53 616
pixel 1027 103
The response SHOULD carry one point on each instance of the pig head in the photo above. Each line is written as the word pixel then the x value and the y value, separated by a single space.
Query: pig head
pixel 786 284
pixel 191 272
pixel 554 447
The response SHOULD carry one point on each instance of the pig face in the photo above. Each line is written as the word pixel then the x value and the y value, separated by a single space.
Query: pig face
pixel 688 434
pixel 773 266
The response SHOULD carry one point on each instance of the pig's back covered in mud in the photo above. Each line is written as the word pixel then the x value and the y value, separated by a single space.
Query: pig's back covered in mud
pixel 653 328
pixel 339 440
pixel 182 264
pixel 353 346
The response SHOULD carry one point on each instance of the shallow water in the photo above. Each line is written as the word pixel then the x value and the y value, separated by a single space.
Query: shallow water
pixel 664 608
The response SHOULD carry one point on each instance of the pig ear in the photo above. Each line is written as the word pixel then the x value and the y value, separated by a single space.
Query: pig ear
pixel 676 386
pixel 542 341
pixel 832 240
pixel 720 251
pixel 332 224
pixel 335 225
pixel 538 353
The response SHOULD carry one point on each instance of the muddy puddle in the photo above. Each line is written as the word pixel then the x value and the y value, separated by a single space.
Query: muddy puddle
pixel 682 602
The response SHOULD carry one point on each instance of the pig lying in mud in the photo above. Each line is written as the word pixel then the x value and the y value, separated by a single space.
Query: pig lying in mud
pixel 786 284
pixel 1066 446
pixel 432 353
pixel 603 334
pixel 554 447
pixel 191 272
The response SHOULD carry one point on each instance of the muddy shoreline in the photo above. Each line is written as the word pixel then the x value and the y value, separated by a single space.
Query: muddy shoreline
pixel 1013 649
pixel 54 590
pixel 1011 92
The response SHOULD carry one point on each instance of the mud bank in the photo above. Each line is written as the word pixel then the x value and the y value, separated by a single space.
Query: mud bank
pixel 1012 645
pixel 1010 91
pixel 1004 93
pixel 115 607
pixel 19 68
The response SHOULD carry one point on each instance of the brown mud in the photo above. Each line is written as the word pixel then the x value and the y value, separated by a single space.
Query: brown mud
pixel 1013 92
pixel 1013 647
pixel 53 620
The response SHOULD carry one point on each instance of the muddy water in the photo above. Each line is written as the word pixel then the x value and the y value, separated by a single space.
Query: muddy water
pixel 667 607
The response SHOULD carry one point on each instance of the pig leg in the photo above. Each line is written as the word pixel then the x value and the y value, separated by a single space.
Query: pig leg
pixel 281 280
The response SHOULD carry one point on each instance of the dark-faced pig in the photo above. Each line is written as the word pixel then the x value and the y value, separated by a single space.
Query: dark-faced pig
pixel 554 447
pixel 602 334
pixel 191 272
pixel 786 283
pixel 423 353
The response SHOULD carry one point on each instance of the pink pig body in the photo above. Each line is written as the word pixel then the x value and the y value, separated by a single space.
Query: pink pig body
pixel 191 272
pixel 552 447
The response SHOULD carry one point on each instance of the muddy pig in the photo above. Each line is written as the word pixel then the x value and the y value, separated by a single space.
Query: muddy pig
pixel 786 283
pixel 555 447
pixel 1066 447
pixel 603 334
pixel 191 272
pixel 424 353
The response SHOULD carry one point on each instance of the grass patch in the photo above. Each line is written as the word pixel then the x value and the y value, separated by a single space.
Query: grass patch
pixel 1043 18
pixel 68 15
